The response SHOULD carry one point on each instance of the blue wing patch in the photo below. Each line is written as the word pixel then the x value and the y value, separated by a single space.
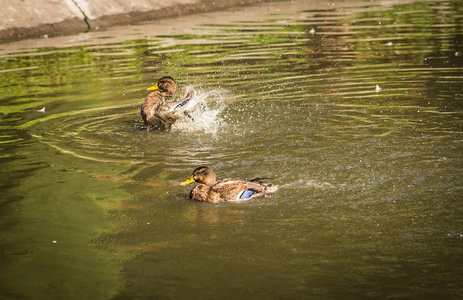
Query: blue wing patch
pixel 247 194
pixel 181 104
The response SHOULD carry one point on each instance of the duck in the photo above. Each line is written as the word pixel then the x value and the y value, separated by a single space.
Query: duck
pixel 225 190
pixel 158 110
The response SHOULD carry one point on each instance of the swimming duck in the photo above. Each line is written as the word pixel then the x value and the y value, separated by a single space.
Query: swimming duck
pixel 158 110
pixel 225 190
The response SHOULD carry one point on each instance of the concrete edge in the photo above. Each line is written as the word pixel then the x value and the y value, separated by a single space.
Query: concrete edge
pixel 76 25
pixel 69 26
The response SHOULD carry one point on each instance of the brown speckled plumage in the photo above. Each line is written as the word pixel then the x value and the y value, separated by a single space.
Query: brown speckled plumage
pixel 156 109
pixel 225 190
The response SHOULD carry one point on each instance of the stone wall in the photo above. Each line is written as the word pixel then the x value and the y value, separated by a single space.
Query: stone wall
pixel 20 19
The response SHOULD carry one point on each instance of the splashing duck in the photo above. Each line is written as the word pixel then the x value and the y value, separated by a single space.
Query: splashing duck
pixel 225 190
pixel 158 110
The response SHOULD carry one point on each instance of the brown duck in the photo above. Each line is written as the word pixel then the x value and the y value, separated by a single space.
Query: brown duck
pixel 225 190
pixel 159 110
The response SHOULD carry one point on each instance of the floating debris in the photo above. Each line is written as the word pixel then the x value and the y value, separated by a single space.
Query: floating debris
pixel 378 89
pixel 41 110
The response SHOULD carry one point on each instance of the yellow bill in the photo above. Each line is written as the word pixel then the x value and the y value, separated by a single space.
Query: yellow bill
pixel 153 88
pixel 191 180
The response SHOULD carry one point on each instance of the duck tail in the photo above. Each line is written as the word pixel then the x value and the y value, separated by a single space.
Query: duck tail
pixel 266 192
pixel 259 179
pixel 271 189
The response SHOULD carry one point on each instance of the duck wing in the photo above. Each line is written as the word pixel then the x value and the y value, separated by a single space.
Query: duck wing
pixel 191 99
pixel 238 190
pixel 185 102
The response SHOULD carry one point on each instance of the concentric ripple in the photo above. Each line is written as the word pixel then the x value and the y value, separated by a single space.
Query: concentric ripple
pixel 115 134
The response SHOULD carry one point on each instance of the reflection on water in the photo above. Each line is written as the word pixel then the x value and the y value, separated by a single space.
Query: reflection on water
pixel 370 178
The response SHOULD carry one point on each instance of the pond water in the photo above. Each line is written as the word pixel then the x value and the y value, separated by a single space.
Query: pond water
pixel 353 108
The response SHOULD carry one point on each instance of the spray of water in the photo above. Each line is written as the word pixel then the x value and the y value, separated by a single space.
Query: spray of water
pixel 202 113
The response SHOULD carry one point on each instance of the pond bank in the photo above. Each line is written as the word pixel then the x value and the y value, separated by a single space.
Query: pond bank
pixel 39 18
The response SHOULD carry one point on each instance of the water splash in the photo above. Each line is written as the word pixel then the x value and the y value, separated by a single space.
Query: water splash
pixel 310 183
pixel 203 113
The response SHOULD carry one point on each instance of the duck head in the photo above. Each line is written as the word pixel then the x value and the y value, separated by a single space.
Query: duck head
pixel 203 175
pixel 167 86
